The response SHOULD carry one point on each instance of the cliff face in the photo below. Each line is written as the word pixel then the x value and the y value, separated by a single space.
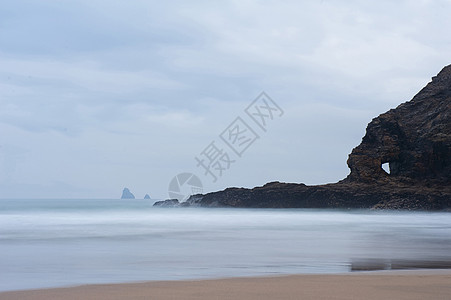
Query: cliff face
pixel 414 139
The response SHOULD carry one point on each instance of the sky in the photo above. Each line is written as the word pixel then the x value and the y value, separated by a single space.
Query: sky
pixel 100 95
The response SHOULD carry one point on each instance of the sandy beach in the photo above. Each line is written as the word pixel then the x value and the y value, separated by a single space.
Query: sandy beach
pixel 410 285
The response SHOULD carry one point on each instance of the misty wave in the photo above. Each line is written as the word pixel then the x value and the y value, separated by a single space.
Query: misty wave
pixel 50 243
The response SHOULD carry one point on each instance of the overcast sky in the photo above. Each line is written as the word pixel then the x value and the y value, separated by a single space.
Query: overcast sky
pixel 98 95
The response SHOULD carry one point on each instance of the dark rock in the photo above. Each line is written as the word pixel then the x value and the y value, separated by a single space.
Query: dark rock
pixel 147 196
pixel 126 194
pixel 414 138
pixel 193 200
pixel 167 203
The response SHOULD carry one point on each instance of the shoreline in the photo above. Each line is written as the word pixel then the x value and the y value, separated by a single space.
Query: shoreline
pixel 391 284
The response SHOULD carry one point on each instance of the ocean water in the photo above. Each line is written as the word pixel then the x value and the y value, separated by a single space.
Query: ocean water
pixel 51 243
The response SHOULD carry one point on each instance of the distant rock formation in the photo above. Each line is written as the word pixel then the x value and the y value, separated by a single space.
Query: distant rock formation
pixel 126 194
pixel 414 139
pixel 147 196
pixel 167 203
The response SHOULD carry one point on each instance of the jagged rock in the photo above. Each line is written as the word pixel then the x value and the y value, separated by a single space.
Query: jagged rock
pixel 126 194
pixel 414 138
pixel 338 195
pixel 167 203
pixel 147 196
pixel 193 200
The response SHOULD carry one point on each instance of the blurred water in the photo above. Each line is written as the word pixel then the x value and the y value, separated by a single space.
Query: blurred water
pixel 49 243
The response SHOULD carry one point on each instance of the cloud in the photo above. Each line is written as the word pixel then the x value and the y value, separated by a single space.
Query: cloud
pixel 103 94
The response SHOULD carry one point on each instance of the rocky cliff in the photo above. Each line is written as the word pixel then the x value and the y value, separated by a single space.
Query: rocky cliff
pixel 414 139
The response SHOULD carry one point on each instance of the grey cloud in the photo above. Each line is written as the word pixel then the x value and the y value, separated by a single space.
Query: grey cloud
pixel 103 92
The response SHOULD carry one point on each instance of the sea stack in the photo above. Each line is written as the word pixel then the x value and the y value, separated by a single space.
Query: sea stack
pixel 126 194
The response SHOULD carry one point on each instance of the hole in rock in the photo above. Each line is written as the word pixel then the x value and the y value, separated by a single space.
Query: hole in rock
pixel 386 167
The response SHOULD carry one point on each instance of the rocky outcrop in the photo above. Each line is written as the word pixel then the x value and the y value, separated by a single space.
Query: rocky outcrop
pixel 167 203
pixel 414 139
pixel 126 194
pixel 339 195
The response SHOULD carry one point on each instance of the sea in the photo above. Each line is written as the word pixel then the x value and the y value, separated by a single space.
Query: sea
pixel 59 242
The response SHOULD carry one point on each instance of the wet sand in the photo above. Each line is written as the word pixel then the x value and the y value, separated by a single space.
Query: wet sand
pixel 428 284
